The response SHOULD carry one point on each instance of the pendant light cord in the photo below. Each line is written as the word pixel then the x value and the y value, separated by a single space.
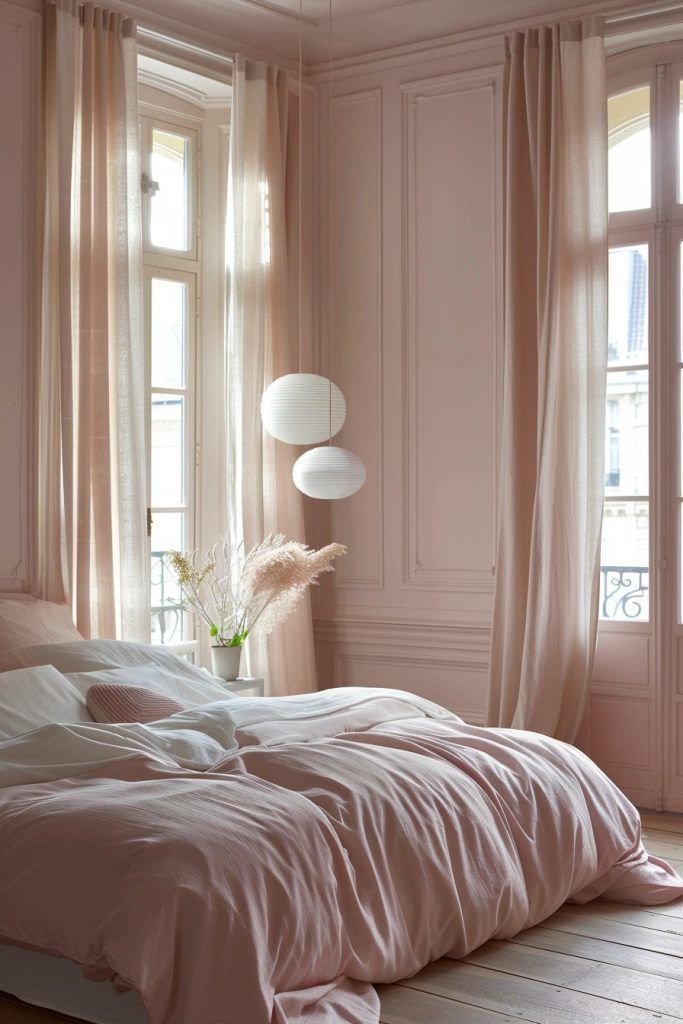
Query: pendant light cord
pixel 301 183
pixel 329 205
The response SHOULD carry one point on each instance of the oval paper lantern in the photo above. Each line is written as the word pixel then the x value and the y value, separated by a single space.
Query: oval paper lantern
pixel 296 408
pixel 328 472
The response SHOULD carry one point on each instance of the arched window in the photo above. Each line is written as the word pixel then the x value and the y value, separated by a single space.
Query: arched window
pixel 635 724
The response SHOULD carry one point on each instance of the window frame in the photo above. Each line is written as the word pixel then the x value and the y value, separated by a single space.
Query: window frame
pixel 630 219
pixel 625 234
pixel 188 506
pixel 183 266
pixel 149 121
pixel 658 66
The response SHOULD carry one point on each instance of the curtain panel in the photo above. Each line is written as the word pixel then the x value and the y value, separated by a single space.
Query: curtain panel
pixel 552 459
pixel 263 239
pixel 92 544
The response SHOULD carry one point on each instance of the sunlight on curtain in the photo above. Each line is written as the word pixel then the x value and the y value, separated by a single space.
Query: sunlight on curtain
pixel 92 543
pixel 261 496
pixel 552 460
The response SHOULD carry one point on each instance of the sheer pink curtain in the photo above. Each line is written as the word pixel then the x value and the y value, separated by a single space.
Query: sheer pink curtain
pixel 92 545
pixel 552 470
pixel 262 236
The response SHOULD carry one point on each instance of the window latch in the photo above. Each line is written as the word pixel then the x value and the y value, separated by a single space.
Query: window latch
pixel 149 522
pixel 149 185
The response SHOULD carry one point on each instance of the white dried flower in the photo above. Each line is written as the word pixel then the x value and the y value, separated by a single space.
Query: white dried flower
pixel 232 592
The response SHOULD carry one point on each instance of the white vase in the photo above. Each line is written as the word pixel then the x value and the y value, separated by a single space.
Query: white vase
pixel 225 662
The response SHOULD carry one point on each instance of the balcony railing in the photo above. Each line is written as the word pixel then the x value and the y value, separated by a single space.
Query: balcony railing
pixel 624 591
pixel 167 612
pixel 624 594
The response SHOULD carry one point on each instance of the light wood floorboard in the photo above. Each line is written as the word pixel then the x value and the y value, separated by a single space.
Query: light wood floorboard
pixel 665 822
pixel 599 964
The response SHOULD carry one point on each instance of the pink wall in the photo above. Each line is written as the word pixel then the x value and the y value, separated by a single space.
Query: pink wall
pixel 412 232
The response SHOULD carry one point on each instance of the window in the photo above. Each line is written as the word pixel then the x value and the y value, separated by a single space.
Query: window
pixel 634 726
pixel 646 234
pixel 184 131
pixel 172 172
pixel 629 166
pixel 612 474
pixel 171 283
pixel 625 536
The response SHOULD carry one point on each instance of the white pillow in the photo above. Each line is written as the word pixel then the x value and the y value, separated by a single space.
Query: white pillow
pixel 26 620
pixel 188 691
pixel 93 655
pixel 31 697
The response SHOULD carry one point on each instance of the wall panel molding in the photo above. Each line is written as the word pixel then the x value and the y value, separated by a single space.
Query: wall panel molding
pixel 356 270
pixel 629 746
pixel 623 661
pixel 622 740
pixel 376 623
pixel 445 663
pixel 408 632
pixel 457 570
pixel 346 663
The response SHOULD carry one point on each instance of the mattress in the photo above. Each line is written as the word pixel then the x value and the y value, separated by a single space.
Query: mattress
pixel 58 984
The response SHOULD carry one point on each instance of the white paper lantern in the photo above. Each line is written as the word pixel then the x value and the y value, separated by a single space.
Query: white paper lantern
pixel 328 472
pixel 296 408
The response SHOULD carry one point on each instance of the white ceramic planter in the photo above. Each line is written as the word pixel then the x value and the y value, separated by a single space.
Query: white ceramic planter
pixel 225 662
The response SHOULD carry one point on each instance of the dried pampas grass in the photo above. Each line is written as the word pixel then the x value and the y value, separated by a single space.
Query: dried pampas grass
pixel 278 577
pixel 232 593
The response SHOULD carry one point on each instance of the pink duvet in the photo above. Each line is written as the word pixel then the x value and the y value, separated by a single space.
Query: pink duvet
pixel 266 862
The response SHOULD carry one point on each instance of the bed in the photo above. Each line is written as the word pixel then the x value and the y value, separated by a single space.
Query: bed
pixel 267 860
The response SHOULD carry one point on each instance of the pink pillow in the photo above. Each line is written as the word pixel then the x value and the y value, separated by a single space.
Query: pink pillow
pixel 26 620
pixel 110 703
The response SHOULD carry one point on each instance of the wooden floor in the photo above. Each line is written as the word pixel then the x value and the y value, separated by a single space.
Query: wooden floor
pixel 600 964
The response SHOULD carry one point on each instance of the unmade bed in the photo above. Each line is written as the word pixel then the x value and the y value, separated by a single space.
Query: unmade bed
pixel 270 860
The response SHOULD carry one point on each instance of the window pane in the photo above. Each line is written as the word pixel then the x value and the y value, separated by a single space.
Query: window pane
pixel 626 433
pixel 168 435
pixel 167 532
pixel 624 575
pixel 169 333
pixel 169 622
pixel 627 336
pixel 629 149
pixel 170 217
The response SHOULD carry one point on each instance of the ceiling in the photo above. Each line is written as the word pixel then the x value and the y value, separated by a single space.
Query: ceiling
pixel 359 26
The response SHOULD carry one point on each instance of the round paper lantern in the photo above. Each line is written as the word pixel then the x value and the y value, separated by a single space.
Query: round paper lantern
pixel 328 472
pixel 296 408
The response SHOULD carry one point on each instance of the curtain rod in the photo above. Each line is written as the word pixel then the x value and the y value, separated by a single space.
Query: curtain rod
pixel 153 36
pixel 625 21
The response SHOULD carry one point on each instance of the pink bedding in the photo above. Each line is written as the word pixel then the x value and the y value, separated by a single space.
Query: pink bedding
pixel 266 861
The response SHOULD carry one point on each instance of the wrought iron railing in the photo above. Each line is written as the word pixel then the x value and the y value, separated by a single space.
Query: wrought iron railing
pixel 167 611
pixel 624 591
pixel 624 595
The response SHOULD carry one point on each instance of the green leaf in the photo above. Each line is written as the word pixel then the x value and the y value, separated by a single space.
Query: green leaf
pixel 238 639
pixel 214 631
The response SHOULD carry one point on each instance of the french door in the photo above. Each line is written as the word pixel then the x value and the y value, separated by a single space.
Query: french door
pixel 171 285
pixel 634 724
